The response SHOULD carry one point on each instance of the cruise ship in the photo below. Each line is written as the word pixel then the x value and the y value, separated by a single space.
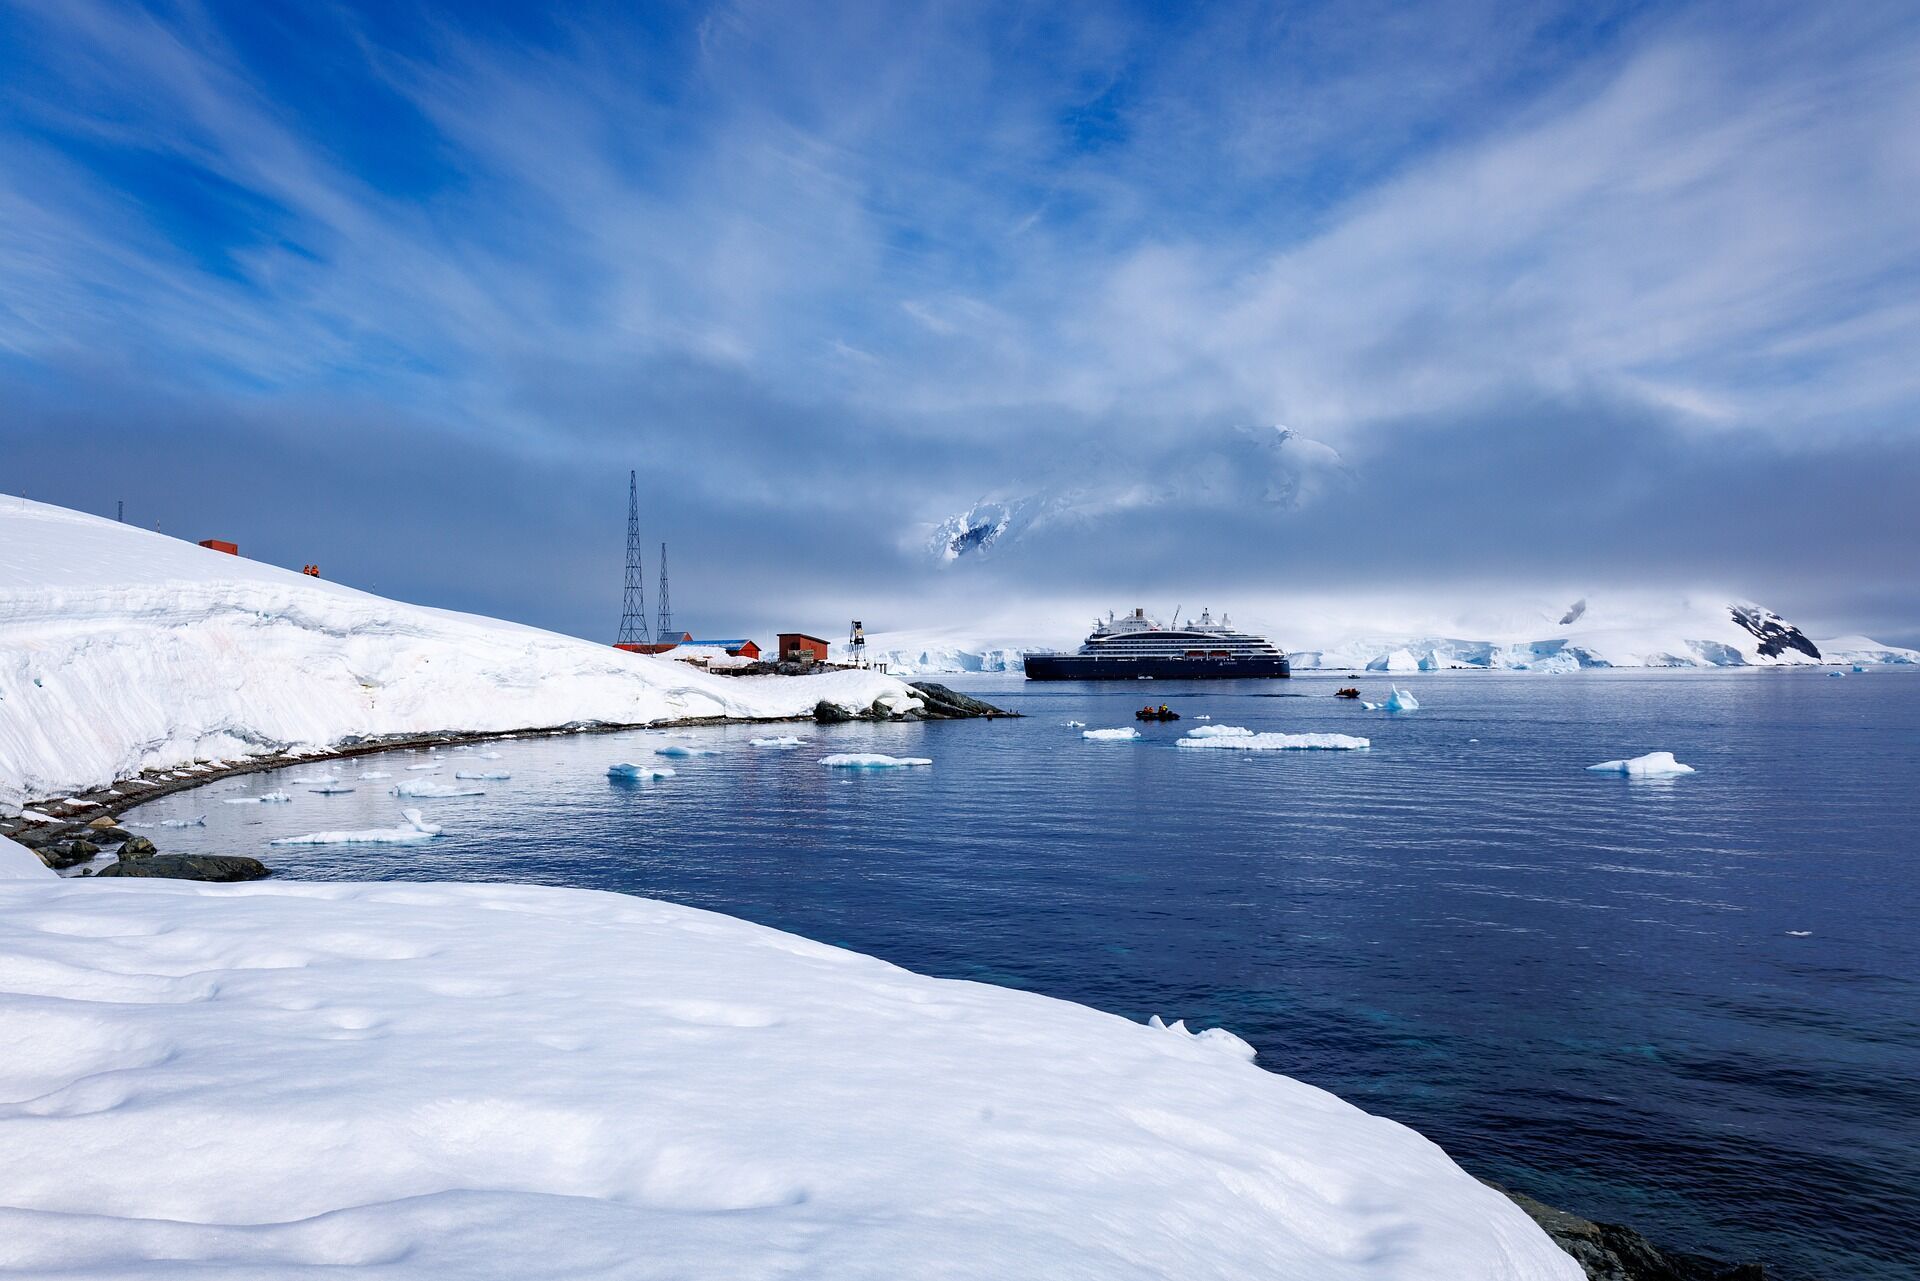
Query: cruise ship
pixel 1136 648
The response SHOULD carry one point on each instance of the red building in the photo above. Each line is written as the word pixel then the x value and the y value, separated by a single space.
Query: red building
pixel 798 647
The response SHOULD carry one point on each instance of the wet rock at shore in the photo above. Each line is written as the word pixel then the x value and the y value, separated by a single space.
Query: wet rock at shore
pixel 137 847
pixel 1610 1252
pixel 942 702
pixel 60 855
pixel 826 713
pixel 190 867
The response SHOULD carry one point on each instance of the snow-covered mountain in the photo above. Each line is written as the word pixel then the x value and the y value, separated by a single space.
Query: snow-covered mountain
pixel 1700 631
pixel 123 649
pixel 1273 467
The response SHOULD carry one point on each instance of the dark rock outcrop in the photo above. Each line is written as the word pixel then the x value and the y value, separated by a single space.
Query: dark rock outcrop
pixel 1775 634
pixel 190 867
pixel 60 855
pixel 826 713
pixel 137 847
pixel 1609 1252
pixel 948 704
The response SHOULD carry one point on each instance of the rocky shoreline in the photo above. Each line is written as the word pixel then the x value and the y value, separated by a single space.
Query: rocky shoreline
pixel 75 830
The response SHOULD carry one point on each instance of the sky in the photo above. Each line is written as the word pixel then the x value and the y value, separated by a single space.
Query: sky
pixel 1235 304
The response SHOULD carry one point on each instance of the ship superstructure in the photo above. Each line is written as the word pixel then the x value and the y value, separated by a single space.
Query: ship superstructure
pixel 1134 647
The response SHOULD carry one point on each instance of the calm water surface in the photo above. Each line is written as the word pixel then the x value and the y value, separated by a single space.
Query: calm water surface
pixel 1588 987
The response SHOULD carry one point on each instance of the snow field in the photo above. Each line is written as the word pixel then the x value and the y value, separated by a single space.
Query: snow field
pixel 495 1081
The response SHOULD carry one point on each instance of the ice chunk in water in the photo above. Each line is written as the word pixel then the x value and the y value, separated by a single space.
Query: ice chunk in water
pixel 1245 742
pixel 372 774
pixel 872 760
pixel 681 749
pixel 1652 765
pixel 624 771
pixel 436 791
pixel 1219 731
pixel 484 776
pixel 331 789
pixel 1401 701
pixel 435 765
pixel 184 822
pixel 1076 724
pixel 783 740
pixel 417 829
pixel 265 798
pixel 318 780
pixel 1110 735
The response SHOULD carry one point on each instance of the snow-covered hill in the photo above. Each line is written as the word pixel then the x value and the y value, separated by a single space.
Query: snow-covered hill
pixel 123 649
pixel 516 1082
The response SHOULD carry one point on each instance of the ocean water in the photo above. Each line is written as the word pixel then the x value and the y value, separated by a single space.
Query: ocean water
pixel 1692 1006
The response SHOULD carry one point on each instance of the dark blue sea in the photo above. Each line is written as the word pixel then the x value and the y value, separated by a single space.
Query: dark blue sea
pixel 1691 1006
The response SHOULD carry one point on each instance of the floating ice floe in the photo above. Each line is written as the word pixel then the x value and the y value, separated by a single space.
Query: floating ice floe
pixel 1076 724
pixel 1248 742
pixel 782 740
pixel 1214 1038
pixel 417 829
pixel 372 774
pixel 1202 717
pixel 331 790
pixel 318 780
pixel 265 798
pixel 1401 701
pixel 1110 735
pixel 681 749
pixel 436 791
pixel 1652 765
pixel 1799 934
pixel 489 756
pixel 201 821
pixel 872 760
pixel 483 776
pixel 1219 731
pixel 644 772
pixel 1859 667
pixel 1836 673
pixel 435 765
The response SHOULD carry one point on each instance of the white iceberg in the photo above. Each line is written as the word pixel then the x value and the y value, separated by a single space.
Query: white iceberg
pixel 1076 724
pixel 1110 735
pixel 200 821
pixel 872 760
pixel 783 740
pixel 372 774
pixel 417 829
pixel 1652 765
pixel 1280 742
pixel 483 776
pixel 332 789
pixel 488 756
pixel 1401 701
pixel 265 798
pixel 643 772
pixel 436 791
pixel 1219 731
pixel 318 780
pixel 434 765
pixel 680 749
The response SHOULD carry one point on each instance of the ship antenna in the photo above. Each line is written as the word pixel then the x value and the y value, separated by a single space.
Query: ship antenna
pixel 633 615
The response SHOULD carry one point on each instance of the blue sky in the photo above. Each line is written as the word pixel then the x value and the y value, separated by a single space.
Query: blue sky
pixel 1558 298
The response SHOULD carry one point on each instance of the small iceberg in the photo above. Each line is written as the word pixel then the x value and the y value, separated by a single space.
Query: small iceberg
pixel 331 789
pixel 1201 717
pixel 1859 667
pixel 184 822
pixel 483 776
pixel 268 798
pixel 370 775
pixel 1110 735
pixel 1836 673
pixel 782 740
pixel 872 760
pixel 1401 701
pixel 322 780
pixel 1219 731
pixel 1249 742
pixel 1652 765
pixel 681 749
pixel 417 829
pixel 488 756
pixel 630 773
pixel 1076 724
pixel 435 765
pixel 436 791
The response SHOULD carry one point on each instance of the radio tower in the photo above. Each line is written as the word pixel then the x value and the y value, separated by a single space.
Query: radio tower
pixel 633 613
pixel 666 610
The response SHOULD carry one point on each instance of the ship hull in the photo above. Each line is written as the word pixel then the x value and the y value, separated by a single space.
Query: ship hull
pixel 1104 667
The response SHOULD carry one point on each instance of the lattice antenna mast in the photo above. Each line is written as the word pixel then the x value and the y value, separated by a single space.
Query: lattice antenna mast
pixel 633 612
pixel 664 632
